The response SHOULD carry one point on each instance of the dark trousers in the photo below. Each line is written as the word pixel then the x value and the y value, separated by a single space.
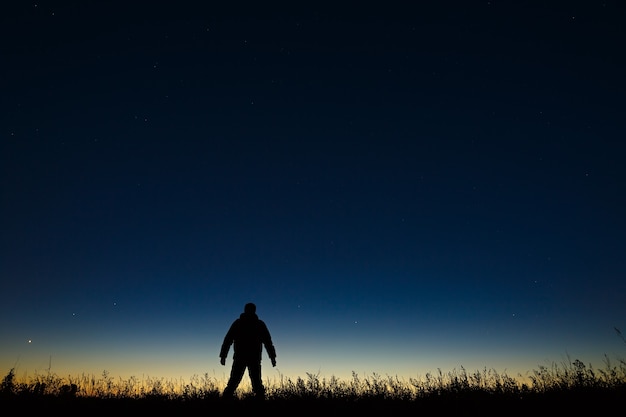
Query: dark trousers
pixel 236 374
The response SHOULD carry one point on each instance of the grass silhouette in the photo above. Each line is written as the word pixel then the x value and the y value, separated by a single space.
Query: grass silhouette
pixel 568 386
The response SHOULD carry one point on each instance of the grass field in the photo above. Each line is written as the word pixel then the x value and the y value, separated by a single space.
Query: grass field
pixel 565 387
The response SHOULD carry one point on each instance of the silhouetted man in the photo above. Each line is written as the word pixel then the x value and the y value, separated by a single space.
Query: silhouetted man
pixel 248 335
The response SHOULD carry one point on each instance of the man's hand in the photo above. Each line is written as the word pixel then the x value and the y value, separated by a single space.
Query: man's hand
pixel 273 361
pixel 223 361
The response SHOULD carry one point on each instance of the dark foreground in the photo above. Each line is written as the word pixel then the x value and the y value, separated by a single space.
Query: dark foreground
pixel 465 403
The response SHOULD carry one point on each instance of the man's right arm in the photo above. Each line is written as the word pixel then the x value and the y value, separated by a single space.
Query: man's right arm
pixel 228 340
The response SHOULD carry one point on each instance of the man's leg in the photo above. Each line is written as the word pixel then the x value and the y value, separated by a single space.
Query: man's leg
pixel 236 373
pixel 254 370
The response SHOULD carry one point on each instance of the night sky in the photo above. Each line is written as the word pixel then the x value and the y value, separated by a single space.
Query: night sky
pixel 398 188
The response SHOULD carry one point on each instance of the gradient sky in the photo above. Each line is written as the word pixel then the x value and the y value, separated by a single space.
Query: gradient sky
pixel 399 189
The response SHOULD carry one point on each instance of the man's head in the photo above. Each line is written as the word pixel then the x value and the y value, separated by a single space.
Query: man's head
pixel 250 308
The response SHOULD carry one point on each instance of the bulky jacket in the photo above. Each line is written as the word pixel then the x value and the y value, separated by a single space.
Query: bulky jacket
pixel 248 335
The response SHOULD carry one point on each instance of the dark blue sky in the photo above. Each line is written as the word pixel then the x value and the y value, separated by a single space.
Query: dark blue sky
pixel 398 188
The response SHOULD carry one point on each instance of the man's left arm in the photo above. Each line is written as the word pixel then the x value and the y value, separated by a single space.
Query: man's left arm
pixel 269 345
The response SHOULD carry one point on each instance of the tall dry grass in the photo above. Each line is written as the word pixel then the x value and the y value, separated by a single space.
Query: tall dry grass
pixel 572 375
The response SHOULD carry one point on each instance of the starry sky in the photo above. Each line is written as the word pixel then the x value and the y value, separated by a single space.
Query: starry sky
pixel 400 187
